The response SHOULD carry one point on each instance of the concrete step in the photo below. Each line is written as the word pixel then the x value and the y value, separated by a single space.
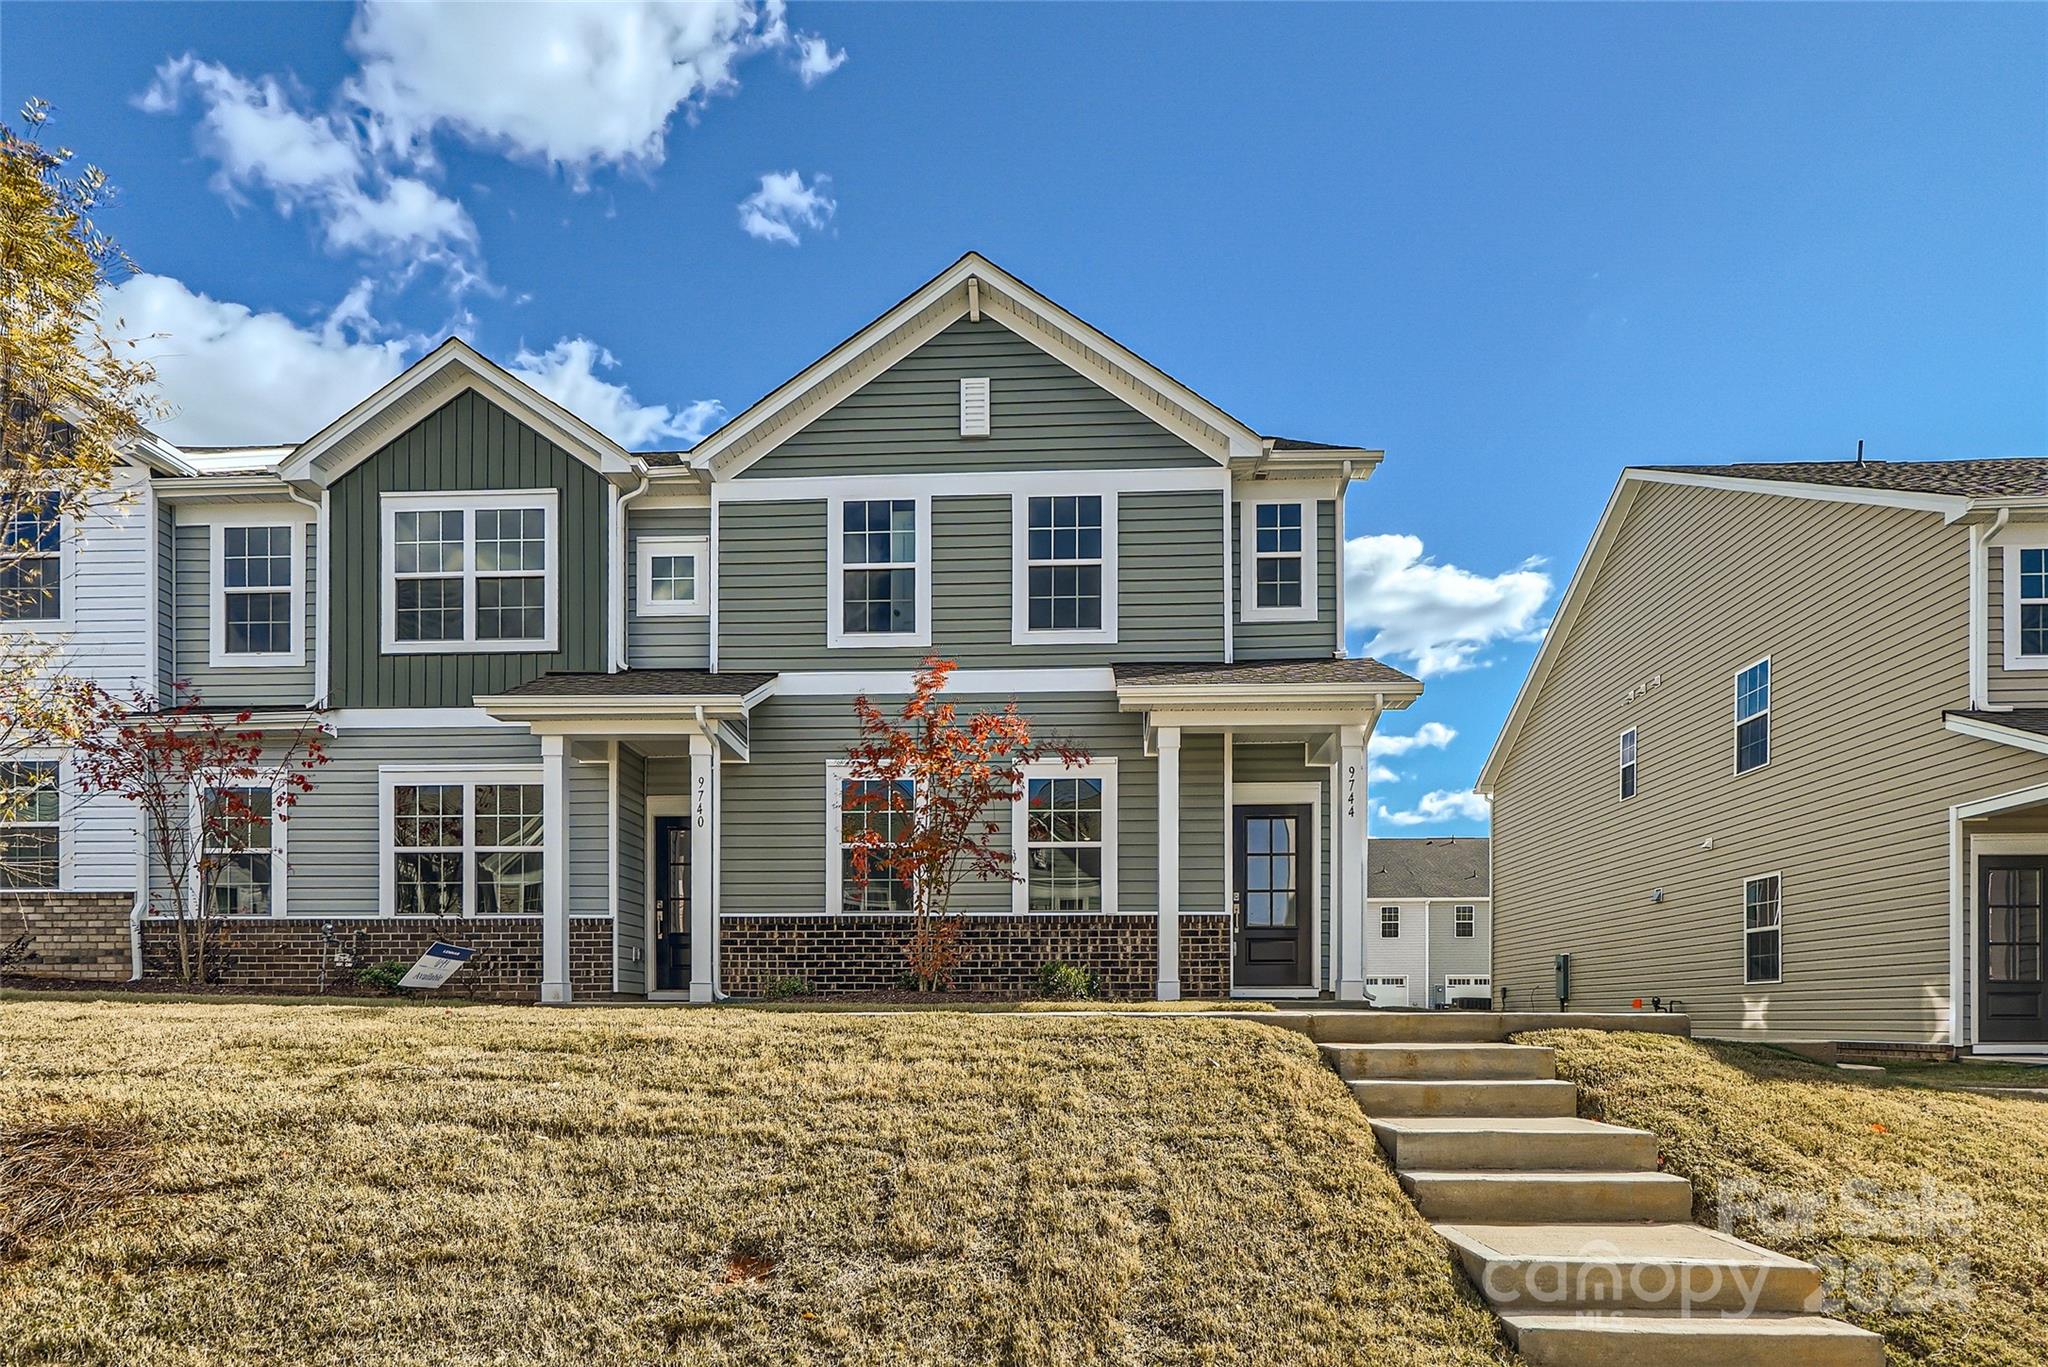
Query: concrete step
pixel 1545 1268
pixel 1462 1062
pixel 1518 1197
pixel 1519 1144
pixel 1462 1027
pixel 1409 1097
pixel 1634 1338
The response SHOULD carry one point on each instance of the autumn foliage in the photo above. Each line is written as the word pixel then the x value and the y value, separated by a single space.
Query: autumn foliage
pixel 920 808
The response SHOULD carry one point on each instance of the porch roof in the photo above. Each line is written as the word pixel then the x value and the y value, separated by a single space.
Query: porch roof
pixel 2025 727
pixel 1311 692
pixel 1369 675
pixel 645 695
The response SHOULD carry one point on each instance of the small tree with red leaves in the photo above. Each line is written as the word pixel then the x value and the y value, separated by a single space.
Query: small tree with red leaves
pixel 208 787
pixel 918 808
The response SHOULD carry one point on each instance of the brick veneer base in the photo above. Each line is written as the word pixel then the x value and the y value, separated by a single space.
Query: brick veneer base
pixel 285 955
pixel 71 934
pixel 852 954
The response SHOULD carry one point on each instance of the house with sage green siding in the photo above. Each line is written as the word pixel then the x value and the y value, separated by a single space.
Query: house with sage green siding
pixel 589 708
pixel 1783 759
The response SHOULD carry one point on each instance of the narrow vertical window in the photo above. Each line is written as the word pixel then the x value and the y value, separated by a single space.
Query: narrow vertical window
pixel 240 840
pixel 878 559
pixel 427 565
pixel 1753 717
pixel 28 824
pixel 1762 928
pixel 1064 840
pixel 427 841
pixel 1390 923
pixel 1277 558
pixel 884 808
pixel 511 574
pixel 1064 547
pixel 1628 764
pixel 32 562
pixel 508 849
pixel 2033 600
pixel 1467 922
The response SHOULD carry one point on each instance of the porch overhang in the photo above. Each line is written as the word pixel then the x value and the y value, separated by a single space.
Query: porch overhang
pixel 2025 728
pixel 1264 695
pixel 635 703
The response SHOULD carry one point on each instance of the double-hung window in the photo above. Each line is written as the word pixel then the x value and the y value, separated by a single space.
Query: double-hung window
pixel 1763 927
pixel 2026 604
pixel 671 575
pixel 855 806
pixel 258 600
pixel 1063 569
pixel 1390 923
pixel 1065 833
pixel 470 572
pixel 880 572
pixel 28 824
pixel 1628 764
pixel 32 562
pixel 241 842
pixel 463 843
pixel 1753 717
pixel 1465 922
pixel 1279 549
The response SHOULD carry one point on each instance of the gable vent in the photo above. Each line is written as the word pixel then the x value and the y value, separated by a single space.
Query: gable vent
pixel 974 407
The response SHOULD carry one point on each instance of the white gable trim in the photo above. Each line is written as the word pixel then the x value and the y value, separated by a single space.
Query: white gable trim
pixel 448 370
pixel 1951 504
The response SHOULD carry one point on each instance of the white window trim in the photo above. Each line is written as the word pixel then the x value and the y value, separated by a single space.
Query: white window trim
pixel 647 548
pixel 836 635
pixel 39 755
pixel 838 773
pixel 1458 921
pixel 67 537
pixel 1386 907
pixel 280 866
pixel 1020 574
pixel 391 777
pixel 1625 747
pixel 218 656
pixel 1747 932
pixel 468 502
pixel 1248 561
pixel 2009 547
pixel 1737 719
pixel 1020 847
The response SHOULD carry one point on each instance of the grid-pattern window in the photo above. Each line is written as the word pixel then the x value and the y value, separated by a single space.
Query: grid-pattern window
pixel 1628 764
pixel 468 845
pixel 2013 900
pixel 1064 843
pixel 427 563
pixel 672 578
pixel 884 807
pixel 1277 554
pixel 256 570
pixel 2033 603
pixel 32 577
pixel 1762 929
pixel 1064 563
pixel 1272 868
pixel 878 566
pixel 1753 717
pixel 427 840
pixel 28 824
pixel 237 838
pixel 511 566
pixel 471 573
pixel 508 849
pixel 1390 923
pixel 1465 922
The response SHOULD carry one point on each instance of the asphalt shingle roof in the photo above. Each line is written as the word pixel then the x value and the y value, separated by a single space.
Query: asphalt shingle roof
pixel 2033 720
pixel 2005 477
pixel 1439 866
pixel 641 683
pixel 1279 673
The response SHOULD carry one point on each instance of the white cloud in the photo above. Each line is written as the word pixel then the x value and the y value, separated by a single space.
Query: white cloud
pixel 1380 773
pixel 1440 806
pixel 237 377
pixel 784 205
pixel 1431 735
pixel 1437 617
pixel 567 373
pixel 815 59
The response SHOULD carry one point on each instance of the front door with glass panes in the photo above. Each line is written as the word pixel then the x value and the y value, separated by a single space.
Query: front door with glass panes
pixel 671 903
pixel 1275 917
pixel 2012 981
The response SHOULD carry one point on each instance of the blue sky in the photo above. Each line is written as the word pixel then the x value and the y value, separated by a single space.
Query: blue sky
pixel 1517 247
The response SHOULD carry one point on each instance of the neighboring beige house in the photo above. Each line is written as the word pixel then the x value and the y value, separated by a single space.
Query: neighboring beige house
pixel 1428 922
pixel 1784 757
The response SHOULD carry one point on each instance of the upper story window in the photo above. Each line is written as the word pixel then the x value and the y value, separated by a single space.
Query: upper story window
pixel 1066 838
pixel 1465 921
pixel 673 576
pixel 469 572
pixel 1753 717
pixel 880 572
pixel 2026 605
pixel 1763 928
pixel 1279 550
pixel 258 596
pixel 28 824
pixel 1063 571
pixel 1628 764
pixel 32 562
pixel 1390 923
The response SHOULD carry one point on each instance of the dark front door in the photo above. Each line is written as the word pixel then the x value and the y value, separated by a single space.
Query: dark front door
pixel 1275 921
pixel 671 903
pixel 2012 898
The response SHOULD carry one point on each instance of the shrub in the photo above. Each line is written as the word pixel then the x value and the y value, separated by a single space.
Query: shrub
pixel 781 989
pixel 381 977
pixel 1065 981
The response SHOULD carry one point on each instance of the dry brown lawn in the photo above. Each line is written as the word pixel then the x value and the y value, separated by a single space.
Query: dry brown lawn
pixel 496 1184
pixel 1928 1208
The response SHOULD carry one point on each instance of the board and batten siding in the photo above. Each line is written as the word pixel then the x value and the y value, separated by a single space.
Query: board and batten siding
pixel 773 597
pixel 664 642
pixel 468 444
pixel 1269 763
pixel 1043 415
pixel 629 947
pixel 773 846
pixel 1291 640
pixel 1862 610
pixel 192 626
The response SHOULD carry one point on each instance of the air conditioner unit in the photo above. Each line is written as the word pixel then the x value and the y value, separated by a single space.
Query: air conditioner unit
pixel 1469 992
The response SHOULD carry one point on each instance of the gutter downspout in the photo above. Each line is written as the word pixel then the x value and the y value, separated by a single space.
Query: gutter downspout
pixel 1981 538
pixel 319 698
pixel 616 625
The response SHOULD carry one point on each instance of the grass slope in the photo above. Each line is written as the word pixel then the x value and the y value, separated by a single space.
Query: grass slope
pixel 497 1184
pixel 1934 1204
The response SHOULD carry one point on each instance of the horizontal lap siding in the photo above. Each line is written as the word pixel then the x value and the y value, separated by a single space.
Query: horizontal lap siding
pixel 1284 764
pixel 193 625
pixel 1294 640
pixel 1863 611
pixel 631 947
pixel 466 444
pixel 1043 415
pixel 1451 956
pixel 2008 687
pixel 105 596
pixel 664 642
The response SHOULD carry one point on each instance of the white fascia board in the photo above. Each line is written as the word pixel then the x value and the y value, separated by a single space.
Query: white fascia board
pixel 847 683
pixel 965 484
pixel 1141 697
pixel 1978 729
pixel 1821 493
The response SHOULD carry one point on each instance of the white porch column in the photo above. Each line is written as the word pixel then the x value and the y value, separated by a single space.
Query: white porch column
pixel 1348 869
pixel 1167 739
pixel 554 911
pixel 703 914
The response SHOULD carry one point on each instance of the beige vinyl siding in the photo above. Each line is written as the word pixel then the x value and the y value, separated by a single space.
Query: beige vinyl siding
pixel 629 949
pixel 2007 687
pixel 773 848
pixel 1255 763
pixel 773 594
pixel 1292 640
pixel 1044 415
pixel 1863 612
pixel 664 642
pixel 192 630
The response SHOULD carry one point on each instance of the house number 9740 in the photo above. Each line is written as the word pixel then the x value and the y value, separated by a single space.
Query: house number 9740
pixel 703 787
